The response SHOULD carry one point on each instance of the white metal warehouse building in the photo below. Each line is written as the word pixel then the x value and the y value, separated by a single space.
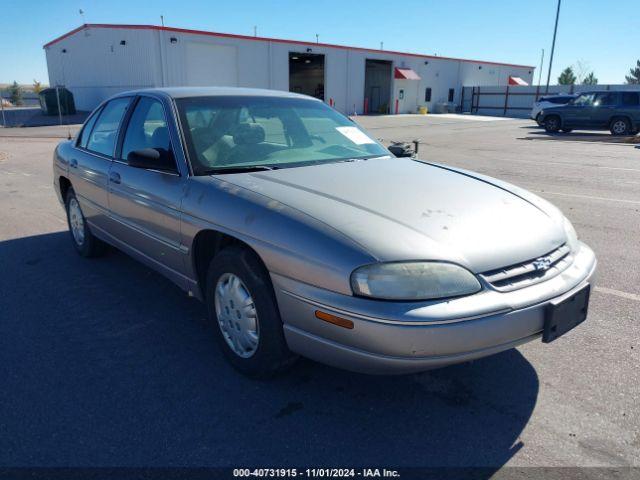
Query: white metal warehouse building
pixel 96 61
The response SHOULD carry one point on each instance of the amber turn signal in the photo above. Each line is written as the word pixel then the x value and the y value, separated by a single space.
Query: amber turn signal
pixel 341 322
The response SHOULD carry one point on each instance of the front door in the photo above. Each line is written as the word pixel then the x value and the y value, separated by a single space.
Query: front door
pixel 145 202
pixel 91 160
pixel 603 108
pixel 577 113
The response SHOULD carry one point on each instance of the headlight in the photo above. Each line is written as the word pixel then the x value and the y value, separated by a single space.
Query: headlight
pixel 413 281
pixel 572 236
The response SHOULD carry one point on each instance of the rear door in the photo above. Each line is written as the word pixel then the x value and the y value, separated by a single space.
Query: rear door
pixel 91 160
pixel 145 202
pixel 630 106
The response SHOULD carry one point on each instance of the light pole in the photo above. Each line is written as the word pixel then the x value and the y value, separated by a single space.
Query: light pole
pixel 541 64
pixel 553 46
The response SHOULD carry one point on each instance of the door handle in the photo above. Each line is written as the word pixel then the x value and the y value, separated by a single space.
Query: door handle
pixel 114 177
pixel 73 163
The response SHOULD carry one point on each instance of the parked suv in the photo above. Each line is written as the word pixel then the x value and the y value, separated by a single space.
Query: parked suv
pixel 618 112
pixel 548 102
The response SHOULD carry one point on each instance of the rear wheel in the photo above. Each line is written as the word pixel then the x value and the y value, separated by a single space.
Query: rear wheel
pixel 552 124
pixel 620 126
pixel 85 243
pixel 243 309
pixel 567 130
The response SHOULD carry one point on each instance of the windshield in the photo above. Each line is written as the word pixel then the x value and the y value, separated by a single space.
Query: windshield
pixel 239 132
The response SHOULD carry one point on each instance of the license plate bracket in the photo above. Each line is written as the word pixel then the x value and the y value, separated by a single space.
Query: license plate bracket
pixel 566 314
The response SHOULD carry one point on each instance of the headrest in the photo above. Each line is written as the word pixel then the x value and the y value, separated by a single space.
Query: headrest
pixel 248 134
pixel 160 137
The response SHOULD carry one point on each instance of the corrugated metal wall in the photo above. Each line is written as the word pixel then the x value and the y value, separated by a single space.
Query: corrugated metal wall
pixel 96 65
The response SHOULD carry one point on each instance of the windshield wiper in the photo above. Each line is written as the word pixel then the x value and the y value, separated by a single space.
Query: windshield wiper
pixel 239 169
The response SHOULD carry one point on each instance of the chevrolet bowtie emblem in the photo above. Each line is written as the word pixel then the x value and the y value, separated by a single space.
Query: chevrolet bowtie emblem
pixel 542 263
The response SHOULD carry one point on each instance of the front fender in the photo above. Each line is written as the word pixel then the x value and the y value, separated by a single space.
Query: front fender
pixel 289 242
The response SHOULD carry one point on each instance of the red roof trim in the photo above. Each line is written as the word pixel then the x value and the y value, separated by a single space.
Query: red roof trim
pixel 269 39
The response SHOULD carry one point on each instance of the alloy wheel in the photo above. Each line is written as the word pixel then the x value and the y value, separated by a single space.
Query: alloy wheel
pixel 619 127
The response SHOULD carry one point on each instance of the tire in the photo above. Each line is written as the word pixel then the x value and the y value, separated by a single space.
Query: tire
pixel 552 124
pixel 620 126
pixel 567 130
pixel 251 338
pixel 85 243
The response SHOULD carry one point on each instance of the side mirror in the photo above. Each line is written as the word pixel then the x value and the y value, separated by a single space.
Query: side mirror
pixel 152 159
pixel 401 149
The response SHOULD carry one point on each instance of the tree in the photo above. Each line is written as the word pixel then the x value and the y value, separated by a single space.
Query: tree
pixel 15 93
pixel 567 77
pixel 634 75
pixel 37 86
pixel 581 69
pixel 590 79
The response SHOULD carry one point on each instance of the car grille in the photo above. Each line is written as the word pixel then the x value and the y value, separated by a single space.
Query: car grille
pixel 530 272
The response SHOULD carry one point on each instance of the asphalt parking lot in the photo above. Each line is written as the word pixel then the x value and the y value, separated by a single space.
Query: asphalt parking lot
pixel 105 363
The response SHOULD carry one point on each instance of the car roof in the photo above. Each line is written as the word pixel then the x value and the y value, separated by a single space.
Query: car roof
pixel 186 92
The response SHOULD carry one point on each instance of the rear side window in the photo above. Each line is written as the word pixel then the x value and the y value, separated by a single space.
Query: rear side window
pixel 630 99
pixel 84 135
pixel 427 94
pixel 452 93
pixel 103 136
pixel 605 98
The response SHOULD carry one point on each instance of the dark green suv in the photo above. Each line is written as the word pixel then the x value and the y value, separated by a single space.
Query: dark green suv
pixel 618 112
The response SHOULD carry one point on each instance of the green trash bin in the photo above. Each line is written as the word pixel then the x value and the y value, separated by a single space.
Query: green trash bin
pixel 49 101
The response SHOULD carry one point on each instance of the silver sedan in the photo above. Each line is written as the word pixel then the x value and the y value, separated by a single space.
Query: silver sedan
pixel 303 235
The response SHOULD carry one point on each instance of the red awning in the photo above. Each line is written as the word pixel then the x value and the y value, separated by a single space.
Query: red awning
pixel 517 81
pixel 405 74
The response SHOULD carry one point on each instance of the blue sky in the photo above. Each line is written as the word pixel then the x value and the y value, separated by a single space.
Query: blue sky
pixel 601 34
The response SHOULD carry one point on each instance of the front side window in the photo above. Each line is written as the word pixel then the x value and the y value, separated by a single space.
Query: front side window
pixel 103 136
pixel 452 93
pixel 272 132
pixel 584 100
pixel 147 128
pixel 427 94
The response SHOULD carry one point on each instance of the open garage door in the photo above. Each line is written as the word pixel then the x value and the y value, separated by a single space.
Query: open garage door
pixel 306 74
pixel 377 86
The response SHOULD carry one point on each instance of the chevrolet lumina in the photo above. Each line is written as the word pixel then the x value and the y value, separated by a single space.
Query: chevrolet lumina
pixel 304 236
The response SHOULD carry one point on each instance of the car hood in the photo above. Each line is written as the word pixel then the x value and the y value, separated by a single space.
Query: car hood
pixel 403 209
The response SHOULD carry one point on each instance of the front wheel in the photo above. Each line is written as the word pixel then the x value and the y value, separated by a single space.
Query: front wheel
pixel 243 310
pixel 552 124
pixel 620 126
pixel 85 243
pixel 567 130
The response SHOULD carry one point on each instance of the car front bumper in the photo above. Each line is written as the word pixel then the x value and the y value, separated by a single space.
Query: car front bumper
pixel 399 337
